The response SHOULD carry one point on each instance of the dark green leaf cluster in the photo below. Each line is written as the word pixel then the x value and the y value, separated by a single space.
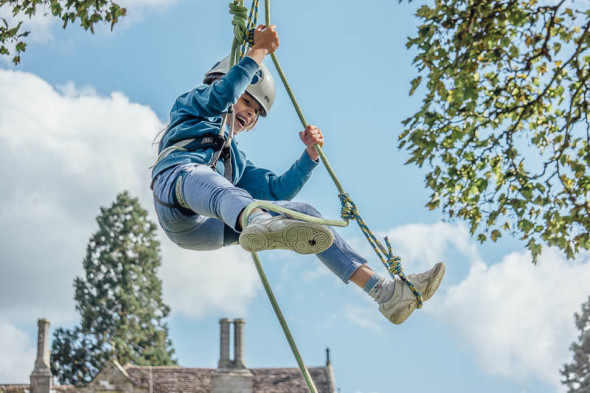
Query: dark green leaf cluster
pixel 577 373
pixel 87 12
pixel 119 299
pixel 504 126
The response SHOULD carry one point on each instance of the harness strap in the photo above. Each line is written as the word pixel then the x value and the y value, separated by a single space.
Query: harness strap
pixel 206 142
pixel 178 192
pixel 217 143
pixel 178 200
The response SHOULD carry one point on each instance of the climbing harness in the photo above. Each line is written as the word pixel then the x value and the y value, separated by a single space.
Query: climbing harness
pixel 225 143
pixel 244 36
pixel 222 149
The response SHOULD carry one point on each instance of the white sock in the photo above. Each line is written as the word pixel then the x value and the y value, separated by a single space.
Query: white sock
pixel 379 288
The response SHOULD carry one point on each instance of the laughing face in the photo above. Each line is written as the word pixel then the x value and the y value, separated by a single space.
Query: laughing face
pixel 246 112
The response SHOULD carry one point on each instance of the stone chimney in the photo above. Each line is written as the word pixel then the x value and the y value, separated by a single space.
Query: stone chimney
pixel 239 344
pixel 232 376
pixel 224 361
pixel 331 379
pixel 41 376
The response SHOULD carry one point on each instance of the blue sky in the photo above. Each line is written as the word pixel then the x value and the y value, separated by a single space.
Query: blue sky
pixel 77 118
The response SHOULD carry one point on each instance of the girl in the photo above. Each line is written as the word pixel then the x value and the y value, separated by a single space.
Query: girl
pixel 202 182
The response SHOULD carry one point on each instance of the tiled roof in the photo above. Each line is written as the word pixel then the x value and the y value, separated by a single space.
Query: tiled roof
pixel 26 388
pixel 290 380
pixel 13 388
pixel 198 380
pixel 172 379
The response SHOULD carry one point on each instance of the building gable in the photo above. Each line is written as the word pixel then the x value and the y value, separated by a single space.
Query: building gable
pixel 112 379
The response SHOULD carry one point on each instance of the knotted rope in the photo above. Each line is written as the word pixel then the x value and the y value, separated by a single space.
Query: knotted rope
pixel 243 35
pixel 349 211
pixel 392 263
pixel 243 30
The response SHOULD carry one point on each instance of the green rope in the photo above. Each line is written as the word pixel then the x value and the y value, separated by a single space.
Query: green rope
pixel 243 34
pixel 291 213
pixel 279 314
pixel 249 37
pixel 243 30
pixel 240 14
pixel 349 211
pixel 391 262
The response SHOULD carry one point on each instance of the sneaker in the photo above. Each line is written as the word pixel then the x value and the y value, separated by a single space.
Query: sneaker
pixel 285 233
pixel 428 282
pixel 403 302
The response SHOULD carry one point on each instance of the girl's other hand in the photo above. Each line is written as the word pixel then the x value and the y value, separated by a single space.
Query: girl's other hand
pixel 310 137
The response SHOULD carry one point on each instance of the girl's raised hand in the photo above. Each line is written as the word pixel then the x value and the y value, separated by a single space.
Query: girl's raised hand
pixel 266 38
pixel 310 137
pixel 266 41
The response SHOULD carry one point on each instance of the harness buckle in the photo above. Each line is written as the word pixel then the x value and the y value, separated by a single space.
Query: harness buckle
pixel 218 142
pixel 226 153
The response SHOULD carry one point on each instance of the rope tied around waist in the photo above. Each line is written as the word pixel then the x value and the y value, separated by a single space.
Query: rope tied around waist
pixel 392 262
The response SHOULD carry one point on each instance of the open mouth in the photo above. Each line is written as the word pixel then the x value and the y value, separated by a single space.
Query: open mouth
pixel 241 121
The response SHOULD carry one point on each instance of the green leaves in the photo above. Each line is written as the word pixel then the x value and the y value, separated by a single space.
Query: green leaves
pixel 415 84
pixel 504 123
pixel 86 12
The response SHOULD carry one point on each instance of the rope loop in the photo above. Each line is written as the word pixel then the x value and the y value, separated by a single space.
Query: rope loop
pixel 394 266
pixel 392 263
pixel 348 210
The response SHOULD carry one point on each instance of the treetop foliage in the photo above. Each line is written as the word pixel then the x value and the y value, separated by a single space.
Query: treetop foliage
pixel 119 298
pixel 504 126
pixel 87 12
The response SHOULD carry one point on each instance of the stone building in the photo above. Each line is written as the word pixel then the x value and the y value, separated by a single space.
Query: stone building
pixel 230 376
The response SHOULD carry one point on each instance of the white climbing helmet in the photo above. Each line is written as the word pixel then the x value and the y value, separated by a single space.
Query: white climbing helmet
pixel 262 87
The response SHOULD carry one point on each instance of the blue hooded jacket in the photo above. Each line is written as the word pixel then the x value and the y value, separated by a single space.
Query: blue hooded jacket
pixel 199 113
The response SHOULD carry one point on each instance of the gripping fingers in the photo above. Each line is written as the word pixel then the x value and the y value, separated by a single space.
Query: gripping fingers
pixel 311 136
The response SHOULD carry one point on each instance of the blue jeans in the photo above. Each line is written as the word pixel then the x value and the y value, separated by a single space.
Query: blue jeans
pixel 215 205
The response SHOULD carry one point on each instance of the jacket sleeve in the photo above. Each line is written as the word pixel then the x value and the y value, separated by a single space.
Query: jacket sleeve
pixel 264 184
pixel 212 100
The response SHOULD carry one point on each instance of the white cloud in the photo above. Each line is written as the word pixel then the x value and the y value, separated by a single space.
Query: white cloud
pixel 64 155
pixel 421 246
pixel 66 152
pixel 18 355
pixel 196 283
pixel 365 317
pixel 517 317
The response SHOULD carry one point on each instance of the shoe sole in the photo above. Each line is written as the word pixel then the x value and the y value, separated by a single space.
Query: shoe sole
pixel 399 317
pixel 301 237
pixel 435 282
